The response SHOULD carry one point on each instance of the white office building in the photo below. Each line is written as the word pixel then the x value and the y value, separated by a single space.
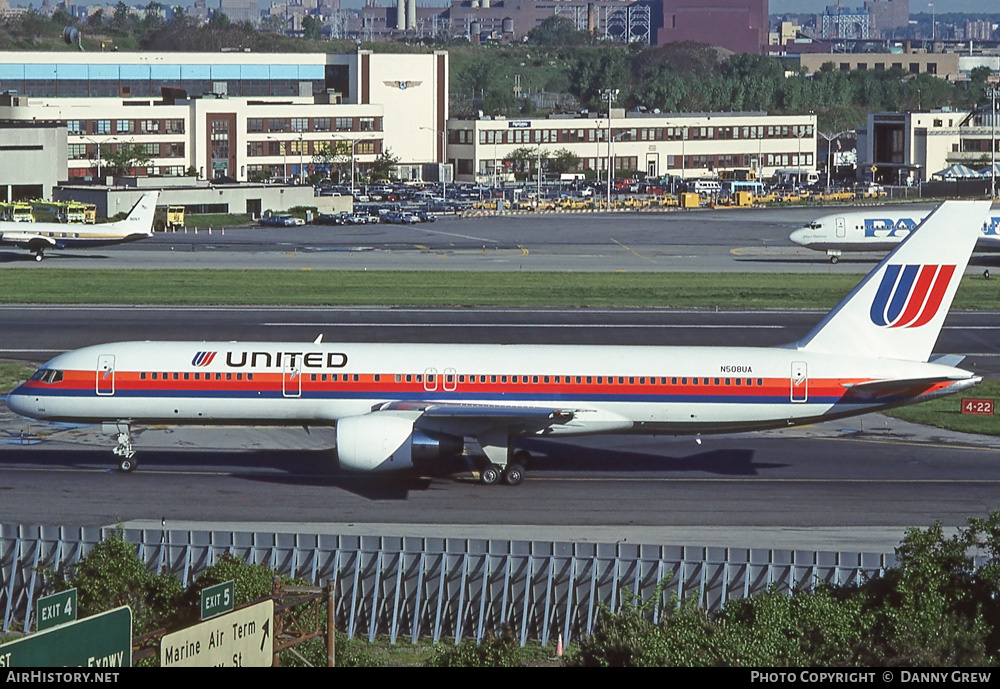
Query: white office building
pixel 685 145
pixel 233 115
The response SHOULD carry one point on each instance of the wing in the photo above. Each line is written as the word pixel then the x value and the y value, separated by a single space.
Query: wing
pixel 27 240
pixel 475 420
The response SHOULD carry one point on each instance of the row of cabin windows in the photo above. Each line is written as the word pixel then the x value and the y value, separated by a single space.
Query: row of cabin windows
pixel 502 379
pixel 155 375
pixel 564 380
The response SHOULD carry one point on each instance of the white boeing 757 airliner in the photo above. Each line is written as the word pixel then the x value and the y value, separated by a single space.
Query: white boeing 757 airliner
pixel 397 404
pixel 39 236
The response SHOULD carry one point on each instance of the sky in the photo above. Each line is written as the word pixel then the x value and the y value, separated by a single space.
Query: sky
pixel 916 6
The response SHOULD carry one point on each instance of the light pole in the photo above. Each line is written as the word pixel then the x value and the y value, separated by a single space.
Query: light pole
pixel 98 144
pixel 352 143
pixel 302 164
pixel 992 92
pixel 933 23
pixel 830 138
pixel 611 97
pixel 284 157
pixel 799 133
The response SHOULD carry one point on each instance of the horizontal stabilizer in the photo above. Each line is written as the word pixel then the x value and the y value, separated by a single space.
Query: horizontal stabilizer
pixel 888 388
pixel 952 360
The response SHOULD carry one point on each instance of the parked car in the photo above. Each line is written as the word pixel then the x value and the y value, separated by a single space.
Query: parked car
pixel 281 221
pixel 328 219
pixel 425 216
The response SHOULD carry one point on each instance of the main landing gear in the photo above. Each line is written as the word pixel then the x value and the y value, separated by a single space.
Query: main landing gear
pixel 39 255
pixel 125 450
pixel 512 474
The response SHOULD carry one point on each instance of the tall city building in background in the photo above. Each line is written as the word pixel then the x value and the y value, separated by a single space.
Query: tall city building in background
pixel 737 25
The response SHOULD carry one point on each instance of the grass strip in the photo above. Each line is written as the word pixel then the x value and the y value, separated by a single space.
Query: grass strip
pixel 446 288
pixel 946 412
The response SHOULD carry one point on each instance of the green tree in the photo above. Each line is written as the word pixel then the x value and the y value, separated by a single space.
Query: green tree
pixel 124 159
pixel 153 16
pixel 521 160
pixel 563 160
pixel 557 31
pixel 332 155
pixel 312 28
pixel 219 20
pixel 384 166
pixel 484 84
pixel 594 71
pixel 122 20
pixel 112 575
pixel 930 610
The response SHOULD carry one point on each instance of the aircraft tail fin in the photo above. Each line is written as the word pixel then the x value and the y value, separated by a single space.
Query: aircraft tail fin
pixel 140 218
pixel 897 311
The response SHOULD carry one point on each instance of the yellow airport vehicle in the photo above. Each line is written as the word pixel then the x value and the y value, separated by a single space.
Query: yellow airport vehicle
pixel 17 211
pixel 168 218
pixel 63 211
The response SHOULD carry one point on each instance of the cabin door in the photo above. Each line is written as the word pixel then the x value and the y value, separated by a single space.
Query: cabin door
pixel 799 382
pixel 841 228
pixel 291 377
pixel 105 374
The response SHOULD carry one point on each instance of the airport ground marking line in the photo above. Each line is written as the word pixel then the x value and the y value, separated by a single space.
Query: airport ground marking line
pixel 633 251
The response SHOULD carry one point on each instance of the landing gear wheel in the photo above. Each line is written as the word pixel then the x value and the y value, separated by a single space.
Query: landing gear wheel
pixel 38 256
pixel 513 475
pixel 835 260
pixel 490 475
pixel 986 273
pixel 127 465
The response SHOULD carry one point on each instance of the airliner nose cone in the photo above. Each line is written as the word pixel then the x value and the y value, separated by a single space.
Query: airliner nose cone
pixel 13 402
pixel 800 237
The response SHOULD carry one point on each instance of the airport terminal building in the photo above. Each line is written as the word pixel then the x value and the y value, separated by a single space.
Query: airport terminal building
pixel 685 145
pixel 245 116
pixel 233 115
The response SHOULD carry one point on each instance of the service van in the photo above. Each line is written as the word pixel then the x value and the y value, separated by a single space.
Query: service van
pixel 705 187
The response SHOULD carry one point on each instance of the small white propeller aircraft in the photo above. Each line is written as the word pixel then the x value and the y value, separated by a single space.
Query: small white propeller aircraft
pixel 39 236
pixel 398 405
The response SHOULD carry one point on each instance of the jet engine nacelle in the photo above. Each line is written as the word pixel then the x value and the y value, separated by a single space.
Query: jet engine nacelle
pixel 382 442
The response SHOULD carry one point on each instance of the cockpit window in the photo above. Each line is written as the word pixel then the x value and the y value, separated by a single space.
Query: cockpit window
pixel 814 225
pixel 47 375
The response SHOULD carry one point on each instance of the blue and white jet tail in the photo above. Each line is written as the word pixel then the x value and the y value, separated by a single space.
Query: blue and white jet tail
pixel 897 311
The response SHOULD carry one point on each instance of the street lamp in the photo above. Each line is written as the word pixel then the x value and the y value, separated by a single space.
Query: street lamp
pixel 284 157
pixel 993 92
pixel 830 138
pixel 352 142
pixel 98 145
pixel 611 162
pixel 302 164
pixel 610 96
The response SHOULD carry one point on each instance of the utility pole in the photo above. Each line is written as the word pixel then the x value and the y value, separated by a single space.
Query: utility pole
pixel 611 96
pixel 992 92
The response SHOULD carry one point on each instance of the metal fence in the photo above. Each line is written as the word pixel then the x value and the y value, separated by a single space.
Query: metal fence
pixel 444 589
